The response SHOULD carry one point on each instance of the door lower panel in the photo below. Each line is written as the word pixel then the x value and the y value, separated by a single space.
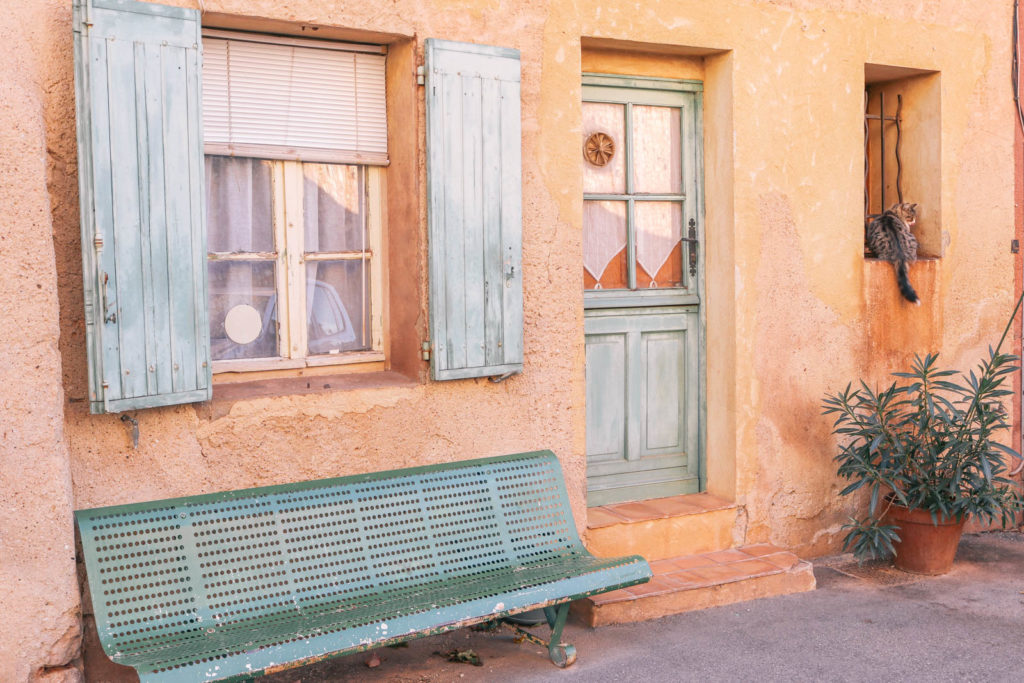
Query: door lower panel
pixel 642 403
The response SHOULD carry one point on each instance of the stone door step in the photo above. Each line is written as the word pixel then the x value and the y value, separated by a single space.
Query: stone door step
pixel 692 582
pixel 663 527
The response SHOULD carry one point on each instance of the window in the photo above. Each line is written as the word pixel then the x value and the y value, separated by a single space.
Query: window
pixel 294 267
pixel 232 199
pixel 293 243
pixel 903 148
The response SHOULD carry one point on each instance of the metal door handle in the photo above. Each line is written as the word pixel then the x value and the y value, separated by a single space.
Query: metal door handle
pixel 691 239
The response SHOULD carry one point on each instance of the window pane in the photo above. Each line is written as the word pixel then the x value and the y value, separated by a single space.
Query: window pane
pixel 610 120
pixel 338 306
pixel 659 229
pixel 604 245
pixel 243 310
pixel 334 203
pixel 238 209
pixel 656 158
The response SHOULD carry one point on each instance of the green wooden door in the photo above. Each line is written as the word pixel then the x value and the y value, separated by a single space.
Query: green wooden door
pixel 642 230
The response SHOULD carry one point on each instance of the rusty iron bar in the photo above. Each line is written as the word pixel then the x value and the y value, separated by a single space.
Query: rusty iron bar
pixel 867 166
pixel 899 136
pixel 883 119
pixel 881 146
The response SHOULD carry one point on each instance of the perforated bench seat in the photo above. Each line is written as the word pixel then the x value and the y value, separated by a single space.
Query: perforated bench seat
pixel 243 582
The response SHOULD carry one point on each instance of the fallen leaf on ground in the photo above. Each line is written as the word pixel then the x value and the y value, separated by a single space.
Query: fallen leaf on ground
pixel 462 656
pixel 487 626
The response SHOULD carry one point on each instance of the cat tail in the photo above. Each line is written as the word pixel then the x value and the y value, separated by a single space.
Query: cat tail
pixel 903 281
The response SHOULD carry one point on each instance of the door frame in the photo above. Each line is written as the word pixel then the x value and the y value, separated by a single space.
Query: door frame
pixel 610 299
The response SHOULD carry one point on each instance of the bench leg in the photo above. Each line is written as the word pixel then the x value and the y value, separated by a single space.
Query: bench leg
pixel 562 654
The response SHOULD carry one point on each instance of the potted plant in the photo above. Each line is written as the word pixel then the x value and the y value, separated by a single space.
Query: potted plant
pixel 926 450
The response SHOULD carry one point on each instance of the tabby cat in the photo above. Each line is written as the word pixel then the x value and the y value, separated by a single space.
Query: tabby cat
pixel 889 237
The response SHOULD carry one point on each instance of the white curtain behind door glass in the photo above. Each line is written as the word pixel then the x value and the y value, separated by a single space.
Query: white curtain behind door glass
pixel 659 228
pixel 610 120
pixel 604 235
pixel 657 166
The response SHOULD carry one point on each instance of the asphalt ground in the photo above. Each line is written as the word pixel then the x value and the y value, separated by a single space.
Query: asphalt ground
pixel 863 623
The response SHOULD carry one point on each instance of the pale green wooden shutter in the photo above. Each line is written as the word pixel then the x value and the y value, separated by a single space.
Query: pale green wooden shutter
pixel 137 73
pixel 474 209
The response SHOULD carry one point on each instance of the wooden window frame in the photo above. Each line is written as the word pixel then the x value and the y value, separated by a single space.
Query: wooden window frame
pixel 290 258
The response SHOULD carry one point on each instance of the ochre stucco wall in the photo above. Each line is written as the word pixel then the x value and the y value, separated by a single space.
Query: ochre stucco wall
pixel 793 310
pixel 39 597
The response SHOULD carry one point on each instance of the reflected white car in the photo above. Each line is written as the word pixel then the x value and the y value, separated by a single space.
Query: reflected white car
pixel 329 327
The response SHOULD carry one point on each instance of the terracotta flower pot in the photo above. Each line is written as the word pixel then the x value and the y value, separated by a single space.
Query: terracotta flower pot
pixel 925 547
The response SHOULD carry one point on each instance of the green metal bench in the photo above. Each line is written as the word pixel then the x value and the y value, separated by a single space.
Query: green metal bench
pixel 243 583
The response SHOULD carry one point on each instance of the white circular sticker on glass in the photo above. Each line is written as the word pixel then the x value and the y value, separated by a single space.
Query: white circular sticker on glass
pixel 243 324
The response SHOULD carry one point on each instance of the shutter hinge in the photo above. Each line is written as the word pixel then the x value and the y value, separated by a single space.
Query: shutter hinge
pixel 421 75
pixel 425 354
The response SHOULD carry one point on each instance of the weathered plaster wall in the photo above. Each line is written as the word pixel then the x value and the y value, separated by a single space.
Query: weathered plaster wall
pixel 39 597
pixel 785 230
pixel 784 200
pixel 793 309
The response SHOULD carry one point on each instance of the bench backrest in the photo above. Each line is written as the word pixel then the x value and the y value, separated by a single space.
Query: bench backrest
pixel 179 565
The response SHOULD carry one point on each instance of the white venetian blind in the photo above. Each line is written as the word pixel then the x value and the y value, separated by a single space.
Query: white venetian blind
pixel 284 99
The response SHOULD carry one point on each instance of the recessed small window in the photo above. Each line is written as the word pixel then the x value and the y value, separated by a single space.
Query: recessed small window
pixel 903 148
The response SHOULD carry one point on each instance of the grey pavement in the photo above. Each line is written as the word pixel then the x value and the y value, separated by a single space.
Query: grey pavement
pixel 863 623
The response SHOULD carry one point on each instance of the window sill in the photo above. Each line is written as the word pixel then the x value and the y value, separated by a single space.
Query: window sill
pixel 226 394
pixel 220 367
pixel 874 259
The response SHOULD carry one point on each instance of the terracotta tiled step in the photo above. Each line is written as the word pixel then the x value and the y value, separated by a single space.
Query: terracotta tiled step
pixel 691 582
pixel 661 528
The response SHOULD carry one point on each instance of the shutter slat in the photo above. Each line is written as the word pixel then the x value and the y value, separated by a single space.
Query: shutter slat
pixel 494 290
pixel 511 223
pixel 474 204
pixel 143 237
pixel 473 243
pixel 101 283
pixel 300 99
pixel 158 283
pixel 454 226
pixel 200 365
pixel 179 199
pixel 126 247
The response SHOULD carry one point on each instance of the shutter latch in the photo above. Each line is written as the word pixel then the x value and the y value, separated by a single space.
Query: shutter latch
pixel 421 75
pixel 134 428
pixel 425 353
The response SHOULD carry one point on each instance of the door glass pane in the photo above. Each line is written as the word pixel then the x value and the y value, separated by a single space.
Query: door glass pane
pixel 608 119
pixel 656 157
pixel 604 245
pixel 238 207
pixel 334 204
pixel 243 310
pixel 338 306
pixel 659 229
